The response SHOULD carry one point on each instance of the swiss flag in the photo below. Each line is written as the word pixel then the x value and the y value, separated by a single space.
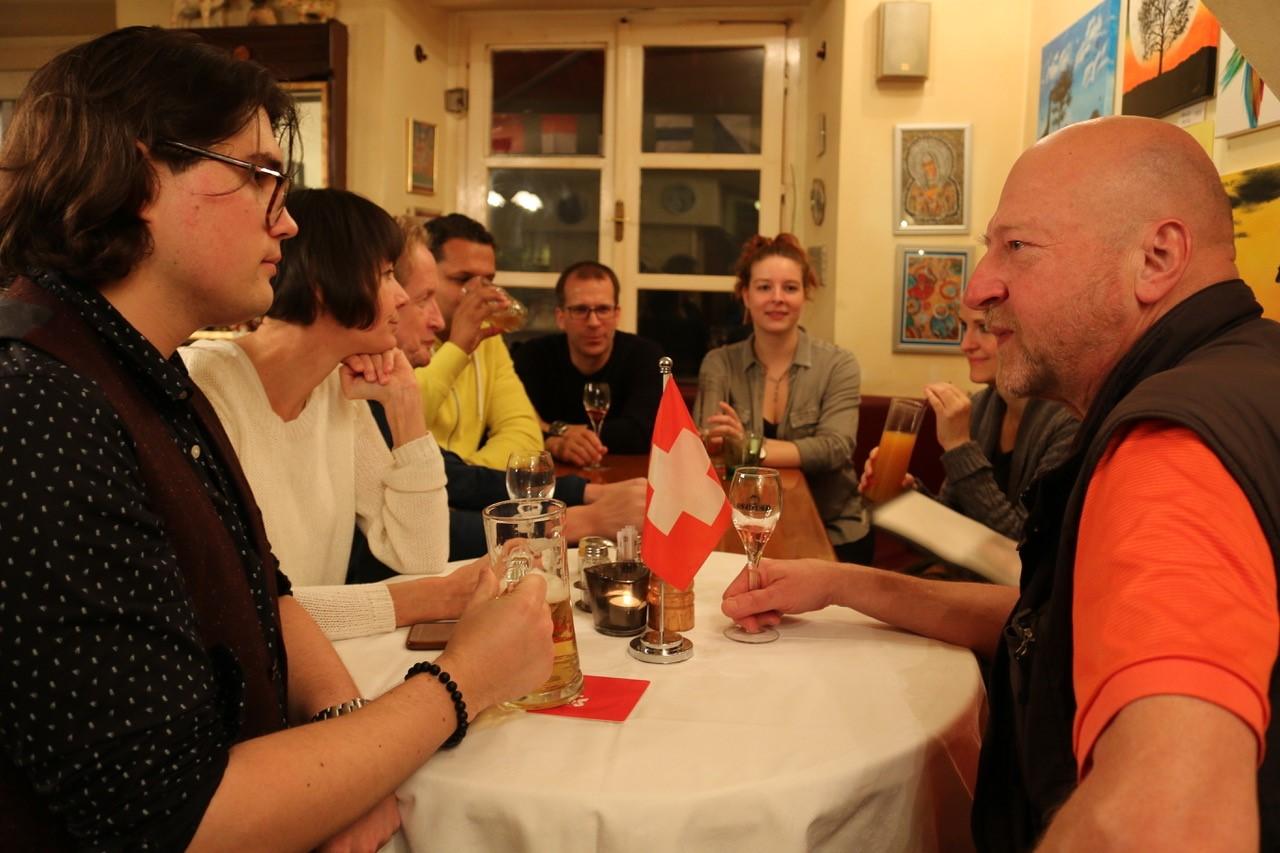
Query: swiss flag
pixel 685 511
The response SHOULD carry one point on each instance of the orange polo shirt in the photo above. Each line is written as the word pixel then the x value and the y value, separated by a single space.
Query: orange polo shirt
pixel 1175 588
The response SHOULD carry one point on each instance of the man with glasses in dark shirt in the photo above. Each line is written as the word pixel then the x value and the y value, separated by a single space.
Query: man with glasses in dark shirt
pixel 144 625
pixel 590 348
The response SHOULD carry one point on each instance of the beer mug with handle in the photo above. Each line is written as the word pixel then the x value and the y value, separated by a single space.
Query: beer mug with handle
pixel 527 535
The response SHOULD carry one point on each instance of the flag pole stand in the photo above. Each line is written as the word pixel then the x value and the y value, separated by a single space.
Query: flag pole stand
pixel 661 646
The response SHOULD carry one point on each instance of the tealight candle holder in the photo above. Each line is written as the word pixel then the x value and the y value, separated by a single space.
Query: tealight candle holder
pixel 617 593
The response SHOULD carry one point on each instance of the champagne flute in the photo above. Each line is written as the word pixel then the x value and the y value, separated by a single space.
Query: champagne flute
pixel 756 498
pixel 531 475
pixel 595 399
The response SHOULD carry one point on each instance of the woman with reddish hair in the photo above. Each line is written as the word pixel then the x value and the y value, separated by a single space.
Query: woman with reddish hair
pixel 800 393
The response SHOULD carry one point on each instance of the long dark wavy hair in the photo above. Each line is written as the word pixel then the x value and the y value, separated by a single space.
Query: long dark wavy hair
pixel 74 170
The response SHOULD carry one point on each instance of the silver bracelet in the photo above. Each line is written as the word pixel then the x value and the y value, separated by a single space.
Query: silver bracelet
pixel 338 710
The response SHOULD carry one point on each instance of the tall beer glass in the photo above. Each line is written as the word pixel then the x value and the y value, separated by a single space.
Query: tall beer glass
pixel 896 443
pixel 528 536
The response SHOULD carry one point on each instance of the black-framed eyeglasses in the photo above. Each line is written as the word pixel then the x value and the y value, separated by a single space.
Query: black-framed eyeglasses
pixel 582 312
pixel 280 181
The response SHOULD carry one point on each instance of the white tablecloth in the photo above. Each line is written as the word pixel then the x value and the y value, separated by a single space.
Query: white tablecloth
pixel 842 735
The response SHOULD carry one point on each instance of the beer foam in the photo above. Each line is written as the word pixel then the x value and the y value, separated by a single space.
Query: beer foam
pixel 557 589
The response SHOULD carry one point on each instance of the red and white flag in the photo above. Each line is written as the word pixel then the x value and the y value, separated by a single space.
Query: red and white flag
pixel 685 511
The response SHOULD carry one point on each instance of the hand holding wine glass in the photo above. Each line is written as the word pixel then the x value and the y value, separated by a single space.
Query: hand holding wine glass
pixel 595 399
pixel 531 475
pixel 756 498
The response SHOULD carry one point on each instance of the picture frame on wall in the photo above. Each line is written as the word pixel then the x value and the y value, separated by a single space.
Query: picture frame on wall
pixel 421 166
pixel 931 284
pixel 932 165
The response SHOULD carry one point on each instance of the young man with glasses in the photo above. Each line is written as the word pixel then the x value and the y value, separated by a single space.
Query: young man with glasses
pixel 474 402
pixel 590 348
pixel 159 677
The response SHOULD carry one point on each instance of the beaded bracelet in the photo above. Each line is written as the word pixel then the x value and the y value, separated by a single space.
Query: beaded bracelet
pixel 459 707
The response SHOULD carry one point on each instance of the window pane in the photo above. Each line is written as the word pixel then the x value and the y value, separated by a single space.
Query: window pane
pixel 718 115
pixel 688 324
pixel 544 219
pixel 547 102
pixel 695 222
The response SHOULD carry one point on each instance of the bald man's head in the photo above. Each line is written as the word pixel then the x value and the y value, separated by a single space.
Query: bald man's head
pixel 1101 229
pixel 1123 173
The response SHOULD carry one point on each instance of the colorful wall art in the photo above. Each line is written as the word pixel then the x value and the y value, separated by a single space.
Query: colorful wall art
pixel 1078 70
pixel 930 286
pixel 1255 209
pixel 1170 56
pixel 1245 102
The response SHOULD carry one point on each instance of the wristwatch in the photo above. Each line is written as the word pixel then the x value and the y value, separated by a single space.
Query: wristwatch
pixel 557 428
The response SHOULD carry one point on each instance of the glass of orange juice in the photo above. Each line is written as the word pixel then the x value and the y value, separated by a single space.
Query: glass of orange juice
pixel 896 444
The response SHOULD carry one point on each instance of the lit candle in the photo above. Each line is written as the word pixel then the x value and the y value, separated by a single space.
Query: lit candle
pixel 626 600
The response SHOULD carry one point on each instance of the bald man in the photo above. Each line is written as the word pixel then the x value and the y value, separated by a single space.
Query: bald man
pixel 1133 676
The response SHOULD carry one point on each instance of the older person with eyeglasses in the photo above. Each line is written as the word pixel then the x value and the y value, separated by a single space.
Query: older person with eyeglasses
pixel 590 348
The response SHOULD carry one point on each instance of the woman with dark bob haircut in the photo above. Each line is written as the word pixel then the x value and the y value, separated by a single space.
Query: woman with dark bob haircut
pixel 292 397
pixel 800 393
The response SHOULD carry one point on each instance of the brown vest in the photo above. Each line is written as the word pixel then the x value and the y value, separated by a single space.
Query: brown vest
pixel 211 566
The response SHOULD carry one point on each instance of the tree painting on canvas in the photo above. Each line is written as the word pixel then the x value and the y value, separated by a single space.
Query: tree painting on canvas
pixel 1170 56
pixel 1078 70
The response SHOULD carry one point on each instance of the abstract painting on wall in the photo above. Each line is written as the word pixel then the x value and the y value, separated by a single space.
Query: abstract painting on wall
pixel 1245 102
pixel 1078 70
pixel 930 285
pixel 1255 210
pixel 1170 56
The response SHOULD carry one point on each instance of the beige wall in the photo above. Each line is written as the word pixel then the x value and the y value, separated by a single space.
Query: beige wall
pixel 818 90
pixel 977 74
pixel 387 87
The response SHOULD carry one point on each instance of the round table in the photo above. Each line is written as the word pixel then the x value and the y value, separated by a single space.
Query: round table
pixel 843 735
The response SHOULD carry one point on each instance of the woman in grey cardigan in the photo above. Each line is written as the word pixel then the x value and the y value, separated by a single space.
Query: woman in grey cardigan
pixel 993 445
pixel 801 394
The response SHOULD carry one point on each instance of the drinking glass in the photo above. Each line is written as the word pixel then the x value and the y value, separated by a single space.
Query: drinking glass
pixel 531 475
pixel 527 536
pixel 896 443
pixel 756 498
pixel 595 399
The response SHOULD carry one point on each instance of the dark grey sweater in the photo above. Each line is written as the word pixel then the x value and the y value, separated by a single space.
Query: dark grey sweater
pixel 1044 437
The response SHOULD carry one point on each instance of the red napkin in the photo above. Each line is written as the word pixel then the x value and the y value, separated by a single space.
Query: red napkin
pixel 602 698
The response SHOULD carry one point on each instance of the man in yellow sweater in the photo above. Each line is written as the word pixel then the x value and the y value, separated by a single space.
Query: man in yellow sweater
pixel 475 404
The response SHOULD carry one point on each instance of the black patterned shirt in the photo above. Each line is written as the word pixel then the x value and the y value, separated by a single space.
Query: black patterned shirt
pixel 111 706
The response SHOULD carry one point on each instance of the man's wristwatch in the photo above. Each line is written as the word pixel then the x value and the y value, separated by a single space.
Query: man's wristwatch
pixel 557 428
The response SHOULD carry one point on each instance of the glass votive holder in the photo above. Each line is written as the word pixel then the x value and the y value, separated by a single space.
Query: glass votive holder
pixel 617 592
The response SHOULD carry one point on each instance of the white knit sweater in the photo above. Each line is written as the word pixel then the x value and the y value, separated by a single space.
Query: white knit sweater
pixel 316 475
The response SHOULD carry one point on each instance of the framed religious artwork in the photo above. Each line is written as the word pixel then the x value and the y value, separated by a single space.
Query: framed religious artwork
pixel 421 165
pixel 932 164
pixel 927 309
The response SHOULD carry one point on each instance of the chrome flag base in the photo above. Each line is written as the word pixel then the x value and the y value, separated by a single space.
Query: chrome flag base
pixel 673 648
